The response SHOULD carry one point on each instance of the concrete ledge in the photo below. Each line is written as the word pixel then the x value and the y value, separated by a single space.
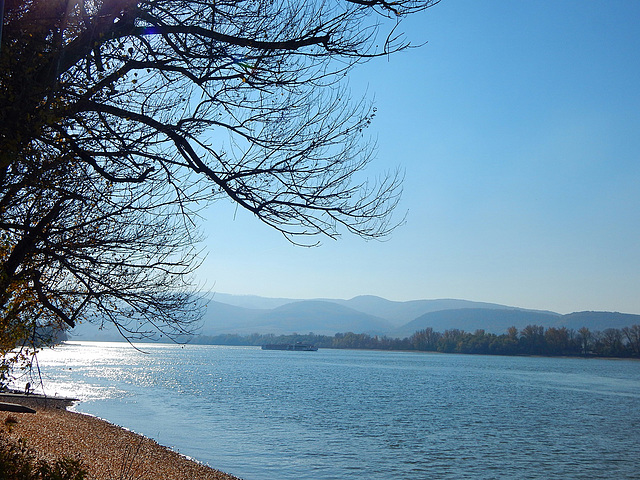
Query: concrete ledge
pixel 37 401
pixel 14 407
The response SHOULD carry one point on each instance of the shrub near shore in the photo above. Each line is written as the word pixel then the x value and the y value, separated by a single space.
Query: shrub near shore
pixel 18 462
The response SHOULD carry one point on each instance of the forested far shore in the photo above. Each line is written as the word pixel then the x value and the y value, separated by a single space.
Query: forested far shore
pixel 531 340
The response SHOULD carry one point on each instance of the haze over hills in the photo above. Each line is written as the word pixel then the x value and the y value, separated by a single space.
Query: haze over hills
pixel 598 320
pixel 318 316
pixel 397 313
pixel 251 301
pixel 400 313
pixel 231 314
pixel 491 320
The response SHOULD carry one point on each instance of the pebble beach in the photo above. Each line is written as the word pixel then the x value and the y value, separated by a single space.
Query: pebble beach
pixel 106 451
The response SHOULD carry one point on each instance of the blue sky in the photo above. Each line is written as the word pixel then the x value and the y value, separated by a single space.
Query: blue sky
pixel 518 128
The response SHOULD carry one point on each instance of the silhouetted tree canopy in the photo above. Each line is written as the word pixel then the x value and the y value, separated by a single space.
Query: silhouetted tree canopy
pixel 612 342
pixel 121 119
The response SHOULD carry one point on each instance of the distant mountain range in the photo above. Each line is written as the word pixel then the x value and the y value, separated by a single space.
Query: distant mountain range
pixel 373 315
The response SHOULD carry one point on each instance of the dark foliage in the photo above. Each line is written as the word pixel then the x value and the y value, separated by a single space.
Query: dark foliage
pixel 17 462
pixel 531 340
pixel 120 120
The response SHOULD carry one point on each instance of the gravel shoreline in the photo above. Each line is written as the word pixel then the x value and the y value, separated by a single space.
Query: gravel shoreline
pixel 106 451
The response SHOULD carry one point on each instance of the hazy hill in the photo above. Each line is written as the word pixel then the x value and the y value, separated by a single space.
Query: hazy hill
pixel 400 313
pixel 91 332
pixel 253 302
pixel 222 317
pixel 397 313
pixel 370 314
pixel 471 319
pixel 316 316
pixel 321 317
pixel 218 318
pixel 598 320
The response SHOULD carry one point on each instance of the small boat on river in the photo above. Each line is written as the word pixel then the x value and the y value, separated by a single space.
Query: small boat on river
pixel 295 347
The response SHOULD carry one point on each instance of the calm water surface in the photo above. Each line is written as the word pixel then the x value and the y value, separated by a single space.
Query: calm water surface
pixel 336 414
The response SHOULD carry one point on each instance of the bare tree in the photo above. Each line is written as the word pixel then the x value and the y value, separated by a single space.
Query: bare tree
pixel 121 119
pixel 632 335
pixel 586 340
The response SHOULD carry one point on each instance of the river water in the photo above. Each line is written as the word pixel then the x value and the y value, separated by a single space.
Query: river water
pixel 338 414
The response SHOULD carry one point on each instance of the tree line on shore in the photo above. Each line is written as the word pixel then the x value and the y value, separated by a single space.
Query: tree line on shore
pixel 531 340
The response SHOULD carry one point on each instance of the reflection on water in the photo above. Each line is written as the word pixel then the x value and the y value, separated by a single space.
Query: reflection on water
pixel 377 415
